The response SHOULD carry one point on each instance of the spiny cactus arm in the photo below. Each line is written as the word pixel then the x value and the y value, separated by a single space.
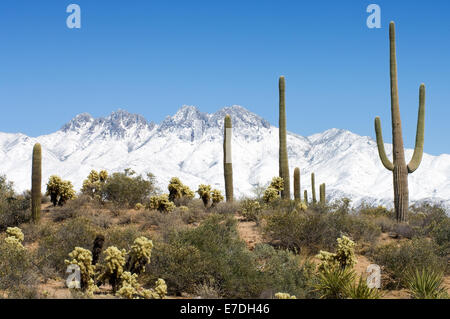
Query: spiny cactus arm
pixel 418 150
pixel 381 152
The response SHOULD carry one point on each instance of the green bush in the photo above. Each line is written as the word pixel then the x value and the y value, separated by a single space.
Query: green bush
pixel 313 231
pixel 398 260
pixel 126 190
pixel 18 275
pixel 210 252
pixel 14 209
pixel 56 244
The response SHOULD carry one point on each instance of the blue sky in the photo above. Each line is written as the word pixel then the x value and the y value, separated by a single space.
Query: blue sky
pixel 151 57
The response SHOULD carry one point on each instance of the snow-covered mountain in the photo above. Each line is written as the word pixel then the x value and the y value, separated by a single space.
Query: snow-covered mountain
pixel 189 145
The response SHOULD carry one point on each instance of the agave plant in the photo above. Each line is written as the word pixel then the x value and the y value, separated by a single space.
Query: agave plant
pixel 426 284
pixel 360 290
pixel 333 282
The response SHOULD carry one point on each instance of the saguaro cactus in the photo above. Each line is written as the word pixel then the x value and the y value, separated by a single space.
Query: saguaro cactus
pixel 227 163
pixel 322 193
pixel 398 166
pixel 297 184
pixel 305 196
pixel 36 180
pixel 313 187
pixel 283 156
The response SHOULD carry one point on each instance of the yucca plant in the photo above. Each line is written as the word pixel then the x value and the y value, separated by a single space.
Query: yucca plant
pixel 333 283
pixel 426 284
pixel 360 290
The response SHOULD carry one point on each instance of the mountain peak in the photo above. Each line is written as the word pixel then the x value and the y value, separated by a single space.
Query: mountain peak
pixel 78 122
pixel 240 117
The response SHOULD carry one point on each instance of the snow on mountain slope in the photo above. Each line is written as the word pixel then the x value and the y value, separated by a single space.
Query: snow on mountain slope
pixel 189 145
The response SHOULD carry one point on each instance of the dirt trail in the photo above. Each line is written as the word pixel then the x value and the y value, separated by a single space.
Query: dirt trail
pixel 248 231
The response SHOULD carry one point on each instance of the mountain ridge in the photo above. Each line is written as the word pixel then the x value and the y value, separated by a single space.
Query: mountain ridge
pixel 188 144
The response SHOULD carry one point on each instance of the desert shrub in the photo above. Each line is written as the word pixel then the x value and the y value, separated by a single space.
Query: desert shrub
pixel 81 206
pixel 122 237
pixel 314 230
pixel 17 271
pixel 212 251
pixel 426 284
pixel 372 211
pixel 59 191
pixel 282 270
pixel 14 209
pixel 398 260
pixel 161 203
pixel 57 243
pixel 207 291
pixel 225 208
pixel 180 264
pixel 127 189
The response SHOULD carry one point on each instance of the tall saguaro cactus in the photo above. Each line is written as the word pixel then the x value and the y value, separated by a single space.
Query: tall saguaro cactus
pixel 398 166
pixel 36 180
pixel 313 186
pixel 297 184
pixel 322 194
pixel 283 156
pixel 305 196
pixel 227 163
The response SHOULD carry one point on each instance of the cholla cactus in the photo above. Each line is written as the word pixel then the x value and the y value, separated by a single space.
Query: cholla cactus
pixel 216 197
pixel 14 238
pixel 283 295
pixel 178 190
pixel 205 193
pixel 139 206
pixel 345 252
pixel 301 206
pixel 343 258
pixel 139 255
pixel 159 292
pixel 131 289
pixel 92 186
pixel 277 183
pixel 161 203
pixel 270 194
pixel 103 176
pixel 83 259
pixel 59 191
pixel 112 267
pixel 250 209
pixel 15 232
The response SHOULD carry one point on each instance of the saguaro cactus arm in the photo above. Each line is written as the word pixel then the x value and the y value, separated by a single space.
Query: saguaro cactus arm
pixel 418 149
pixel 381 152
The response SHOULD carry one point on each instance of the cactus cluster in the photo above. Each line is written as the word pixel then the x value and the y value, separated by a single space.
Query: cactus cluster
pixel 92 186
pixel 343 257
pixel 161 203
